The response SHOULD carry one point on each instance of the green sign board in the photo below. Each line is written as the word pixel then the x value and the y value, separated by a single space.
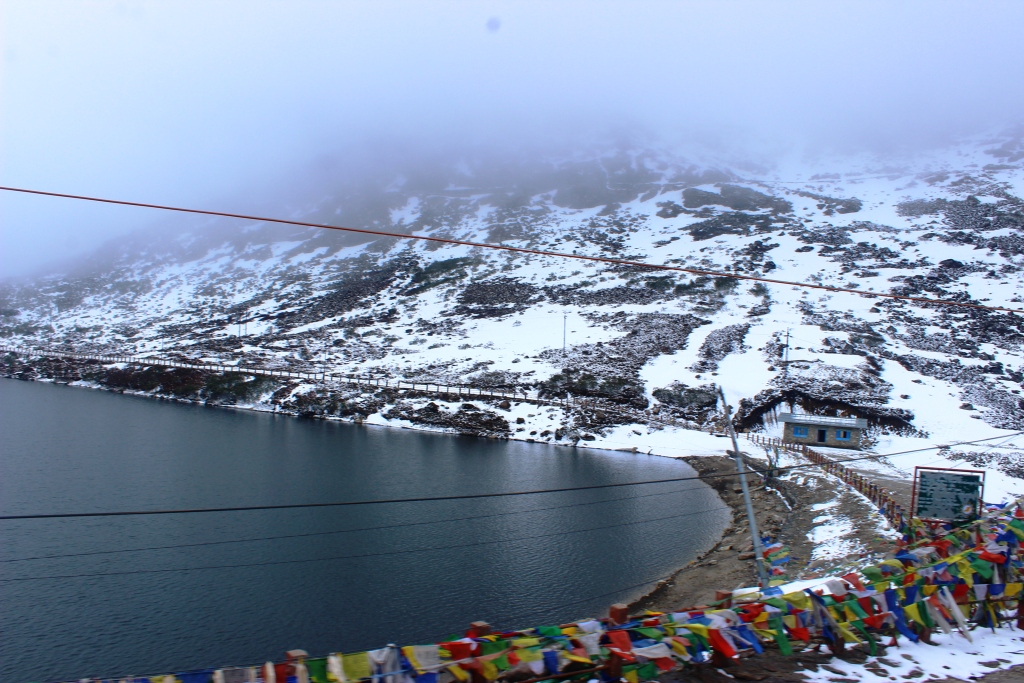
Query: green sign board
pixel 951 496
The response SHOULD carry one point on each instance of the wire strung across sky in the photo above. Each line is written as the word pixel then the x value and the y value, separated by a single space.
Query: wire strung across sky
pixel 471 496
pixel 348 531
pixel 403 551
pixel 519 250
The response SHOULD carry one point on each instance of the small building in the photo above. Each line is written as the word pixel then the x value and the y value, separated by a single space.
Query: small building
pixel 818 430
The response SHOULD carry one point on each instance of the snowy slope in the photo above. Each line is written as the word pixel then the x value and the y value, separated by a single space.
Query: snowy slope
pixel 646 346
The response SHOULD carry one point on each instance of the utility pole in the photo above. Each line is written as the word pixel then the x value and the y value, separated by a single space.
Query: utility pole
pixel 762 574
pixel 785 366
pixel 565 318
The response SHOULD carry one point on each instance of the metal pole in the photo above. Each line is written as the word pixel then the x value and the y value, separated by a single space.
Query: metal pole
pixel 762 575
pixel 565 317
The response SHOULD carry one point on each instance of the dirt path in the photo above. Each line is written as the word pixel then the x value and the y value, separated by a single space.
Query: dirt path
pixel 823 522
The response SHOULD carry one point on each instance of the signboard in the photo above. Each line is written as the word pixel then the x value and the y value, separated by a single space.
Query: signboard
pixel 947 494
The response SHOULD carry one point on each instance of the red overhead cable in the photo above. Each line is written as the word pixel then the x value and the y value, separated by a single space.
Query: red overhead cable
pixel 520 250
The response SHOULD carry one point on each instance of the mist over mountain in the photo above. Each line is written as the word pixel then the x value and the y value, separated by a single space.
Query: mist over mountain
pixel 645 348
pixel 245 106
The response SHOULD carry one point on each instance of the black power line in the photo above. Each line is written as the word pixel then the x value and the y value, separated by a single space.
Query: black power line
pixel 345 531
pixel 471 496
pixel 367 555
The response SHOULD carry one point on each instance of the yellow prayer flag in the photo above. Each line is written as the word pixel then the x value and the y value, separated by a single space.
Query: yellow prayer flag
pixel 892 563
pixel 631 676
pixel 525 642
pixel 966 572
pixel 882 586
pixel 489 671
pixel 576 658
pixel 570 631
pixel 928 590
pixel 678 648
pixel 699 629
pixel 356 666
pixel 798 599
pixel 789 620
pixel 848 634
pixel 1012 589
pixel 914 613
pixel 530 654
pixel 459 673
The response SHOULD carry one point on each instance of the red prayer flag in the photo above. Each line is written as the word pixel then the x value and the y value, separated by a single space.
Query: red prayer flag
pixel 875 622
pixel 620 640
pixel 853 579
pixel 991 557
pixel 665 663
pixel 801 633
pixel 459 650
pixel 719 643
pixel 751 612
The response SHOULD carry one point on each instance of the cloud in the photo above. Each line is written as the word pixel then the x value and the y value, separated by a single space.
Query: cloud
pixel 210 104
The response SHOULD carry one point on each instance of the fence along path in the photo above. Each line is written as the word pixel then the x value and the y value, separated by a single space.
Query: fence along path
pixel 358 381
pixel 885 500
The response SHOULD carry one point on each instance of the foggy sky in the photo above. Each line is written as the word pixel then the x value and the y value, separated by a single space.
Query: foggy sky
pixel 217 104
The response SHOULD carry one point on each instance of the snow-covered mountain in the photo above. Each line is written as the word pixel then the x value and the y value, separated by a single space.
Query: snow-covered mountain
pixel 646 346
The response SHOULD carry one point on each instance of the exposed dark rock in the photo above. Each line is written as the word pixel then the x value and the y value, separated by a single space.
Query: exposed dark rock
pixel 466 420
pixel 495 298
pixel 832 205
pixel 719 344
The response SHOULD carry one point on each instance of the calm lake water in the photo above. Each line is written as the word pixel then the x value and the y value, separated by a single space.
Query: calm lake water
pixel 342 579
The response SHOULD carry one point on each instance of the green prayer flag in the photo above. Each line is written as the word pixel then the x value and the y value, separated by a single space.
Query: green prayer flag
pixel 652 633
pixel 780 636
pixel 855 607
pixel 549 631
pixel 922 609
pixel 647 672
pixel 317 670
pixel 489 647
pixel 859 625
pixel 777 602
pixel 502 663
pixel 874 574
pixel 693 635
pixel 982 567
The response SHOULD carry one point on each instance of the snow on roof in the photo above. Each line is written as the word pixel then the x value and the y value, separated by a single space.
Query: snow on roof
pixel 856 422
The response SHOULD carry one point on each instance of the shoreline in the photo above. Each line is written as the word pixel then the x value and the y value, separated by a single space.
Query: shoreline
pixel 667 592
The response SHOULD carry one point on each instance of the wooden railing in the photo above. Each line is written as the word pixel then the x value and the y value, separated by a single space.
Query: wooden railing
pixel 358 381
pixel 883 499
